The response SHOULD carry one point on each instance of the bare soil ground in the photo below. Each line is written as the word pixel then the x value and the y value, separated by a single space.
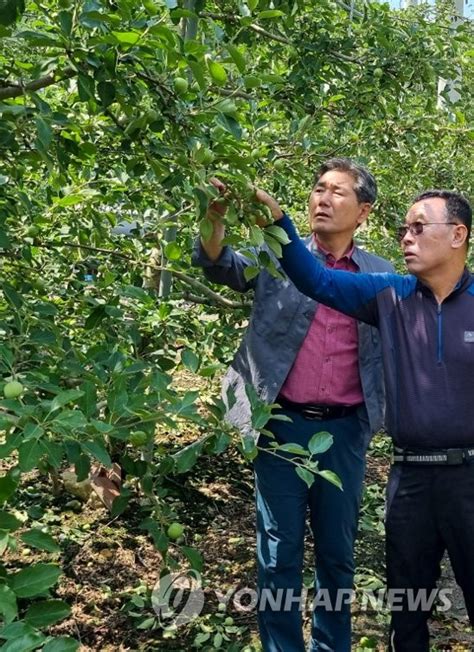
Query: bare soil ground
pixel 109 566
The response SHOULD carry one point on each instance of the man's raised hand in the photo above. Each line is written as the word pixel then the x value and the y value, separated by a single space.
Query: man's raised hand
pixel 264 198
pixel 217 207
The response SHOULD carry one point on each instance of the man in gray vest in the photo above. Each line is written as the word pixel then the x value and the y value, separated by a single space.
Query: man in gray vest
pixel 325 371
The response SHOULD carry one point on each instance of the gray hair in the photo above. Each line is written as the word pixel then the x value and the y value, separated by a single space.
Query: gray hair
pixel 365 186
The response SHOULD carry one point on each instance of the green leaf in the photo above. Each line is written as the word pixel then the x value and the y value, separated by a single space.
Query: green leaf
pixel 331 477
pixel 278 233
pixel 8 606
pixel 15 630
pixel 252 81
pixel 13 441
pixel 10 11
pixel 230 124
pixel 47 612
pixel 160 540
pixel 61 644
pixel 5 541
pixel 45 133
pixel 120 503
pixel 270 13
pixel 127 38
pixel 63 398
pixel 261 415
pixel 97 450
pixel 101 426
pixel 249 447
pixel 85 87
pixel 97 315
pixel 39 39
pixel 320 443
pixel 273 245
pixel 117 398
pixel 82 467
pixel 88 402
pixel 34 580
pixel 256 236
pixel 206 229
pixel 217 72
pixel 5 242
pixel 32 430
pixel 190 360
pixel 69 200
pixel 187 457
pixel 29 454
pixel 8 485
pixel 24 643
pixel 251 272
pixel 40 540
pixel 65 20
pixel 106 93
pixel 194 557
pixel 294 449
pixel 305 475
pixel 198 73
pixel 237 57
pixel 12 296
pixel 71 419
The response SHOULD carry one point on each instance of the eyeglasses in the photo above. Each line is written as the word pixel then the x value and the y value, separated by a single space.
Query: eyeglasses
pixel 416 228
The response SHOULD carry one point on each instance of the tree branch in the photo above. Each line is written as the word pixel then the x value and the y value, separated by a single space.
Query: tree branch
pixel 15 90
pixel 189 280
pixel 279 38
pixel 194 298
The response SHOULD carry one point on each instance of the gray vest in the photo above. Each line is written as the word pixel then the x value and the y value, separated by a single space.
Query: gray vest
pixel 279 321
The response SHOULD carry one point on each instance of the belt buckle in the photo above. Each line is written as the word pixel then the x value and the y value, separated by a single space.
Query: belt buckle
pixel 454 456
pixel 313 413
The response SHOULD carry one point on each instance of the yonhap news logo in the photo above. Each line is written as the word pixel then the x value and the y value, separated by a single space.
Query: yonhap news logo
pixel 178 598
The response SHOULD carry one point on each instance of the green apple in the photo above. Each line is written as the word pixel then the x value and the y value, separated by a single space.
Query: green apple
pixel 138 438
pixel 181 85
pixel 207 156
pixel 175 530
pixel 367 643
pixel 13 389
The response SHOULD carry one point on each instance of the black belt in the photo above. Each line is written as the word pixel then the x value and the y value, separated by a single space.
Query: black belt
pixel 317 411
pixel 445 457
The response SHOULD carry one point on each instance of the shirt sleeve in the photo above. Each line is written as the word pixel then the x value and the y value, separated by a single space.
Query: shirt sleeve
pixel 355 294
pixel 228 270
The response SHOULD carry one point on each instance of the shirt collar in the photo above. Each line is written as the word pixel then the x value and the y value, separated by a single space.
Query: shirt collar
pixel 347 254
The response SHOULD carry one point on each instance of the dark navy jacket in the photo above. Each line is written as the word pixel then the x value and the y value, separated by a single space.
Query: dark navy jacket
pixel 280 319
pixel 428 349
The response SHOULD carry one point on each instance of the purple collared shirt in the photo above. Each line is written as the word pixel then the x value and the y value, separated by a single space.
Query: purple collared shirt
pixel 326 368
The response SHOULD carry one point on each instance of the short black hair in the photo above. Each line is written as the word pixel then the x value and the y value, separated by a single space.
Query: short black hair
pixel 365 186
pixel 457 206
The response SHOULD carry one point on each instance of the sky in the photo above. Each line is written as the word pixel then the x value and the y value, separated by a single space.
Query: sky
pixel 468 6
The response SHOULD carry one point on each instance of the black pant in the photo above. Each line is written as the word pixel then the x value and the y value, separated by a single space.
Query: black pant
pixel 430 509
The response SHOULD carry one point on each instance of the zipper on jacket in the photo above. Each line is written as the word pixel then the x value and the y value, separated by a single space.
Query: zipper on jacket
pixel 440 334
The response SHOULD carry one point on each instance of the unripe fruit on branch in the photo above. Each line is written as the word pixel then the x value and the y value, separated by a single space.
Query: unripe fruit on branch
pixel 13 389
pixel 181 85
pixel 175 530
